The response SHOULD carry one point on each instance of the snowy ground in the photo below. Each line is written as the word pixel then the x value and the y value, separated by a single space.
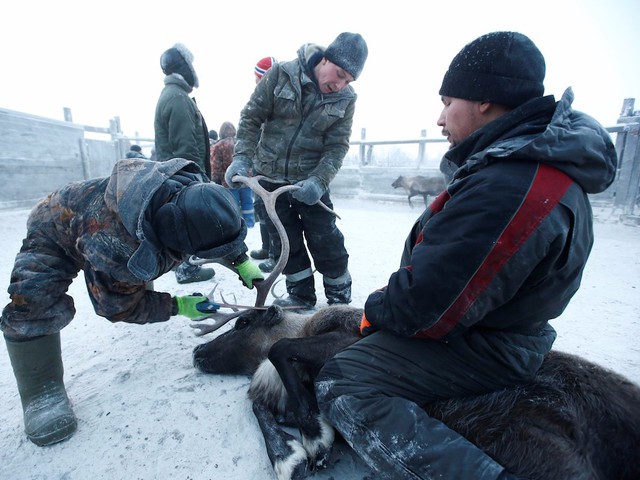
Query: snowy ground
pixel 145 413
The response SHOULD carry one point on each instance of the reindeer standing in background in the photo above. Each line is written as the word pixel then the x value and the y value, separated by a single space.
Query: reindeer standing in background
pixel 575 420
pixel 420 185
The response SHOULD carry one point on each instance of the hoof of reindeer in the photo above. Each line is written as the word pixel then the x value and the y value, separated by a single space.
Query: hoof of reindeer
pixel 295 466
pixel 319 449
pixel 321 460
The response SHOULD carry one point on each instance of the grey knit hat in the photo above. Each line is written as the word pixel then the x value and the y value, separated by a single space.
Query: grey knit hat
pixel 349 51
pixel 499 67
pixel 179 59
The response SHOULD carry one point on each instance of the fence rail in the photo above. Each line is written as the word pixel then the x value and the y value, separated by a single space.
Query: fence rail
pixel 39 155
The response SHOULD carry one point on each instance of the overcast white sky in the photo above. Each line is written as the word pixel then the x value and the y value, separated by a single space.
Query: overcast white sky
pixel 101 59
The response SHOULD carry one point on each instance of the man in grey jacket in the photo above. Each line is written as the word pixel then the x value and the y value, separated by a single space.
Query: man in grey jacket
pixel 295 129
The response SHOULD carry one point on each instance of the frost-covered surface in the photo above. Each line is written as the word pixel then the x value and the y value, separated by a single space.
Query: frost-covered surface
pixel 145 413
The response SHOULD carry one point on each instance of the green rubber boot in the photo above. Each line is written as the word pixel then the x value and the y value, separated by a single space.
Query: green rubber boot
pixel 37 365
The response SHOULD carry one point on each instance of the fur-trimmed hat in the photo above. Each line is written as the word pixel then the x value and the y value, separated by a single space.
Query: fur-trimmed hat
pixel 499 67
pixel 349 51
pixel 263 65
pixel 203 220
pixel 179 59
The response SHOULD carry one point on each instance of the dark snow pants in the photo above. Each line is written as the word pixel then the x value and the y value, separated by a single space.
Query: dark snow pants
pixel 372 393
pixel 312 227
pixel 318 227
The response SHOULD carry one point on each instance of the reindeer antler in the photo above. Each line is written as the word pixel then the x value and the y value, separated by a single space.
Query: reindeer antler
pixel 263 287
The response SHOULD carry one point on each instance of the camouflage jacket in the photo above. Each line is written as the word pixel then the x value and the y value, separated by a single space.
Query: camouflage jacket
pixel 289 130
pixel 98 227
pixel 221 157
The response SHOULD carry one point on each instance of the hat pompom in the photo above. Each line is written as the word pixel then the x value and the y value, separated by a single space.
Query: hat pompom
pixel 349 51
pixel 263 65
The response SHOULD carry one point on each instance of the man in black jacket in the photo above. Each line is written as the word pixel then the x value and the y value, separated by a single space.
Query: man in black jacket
pixel 484 269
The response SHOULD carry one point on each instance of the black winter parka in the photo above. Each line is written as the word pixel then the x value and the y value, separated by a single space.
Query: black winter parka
pixel 504 247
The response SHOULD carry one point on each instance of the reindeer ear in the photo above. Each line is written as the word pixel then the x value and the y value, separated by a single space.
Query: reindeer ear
pixel 273 316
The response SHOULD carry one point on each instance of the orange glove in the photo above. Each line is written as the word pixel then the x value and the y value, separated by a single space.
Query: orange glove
pixel 365 326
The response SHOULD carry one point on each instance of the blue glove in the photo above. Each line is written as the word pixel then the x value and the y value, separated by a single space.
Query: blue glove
pixel 239 166
pixel 310 191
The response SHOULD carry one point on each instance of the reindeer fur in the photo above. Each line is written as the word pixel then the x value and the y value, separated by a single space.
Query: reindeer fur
pixel 575 420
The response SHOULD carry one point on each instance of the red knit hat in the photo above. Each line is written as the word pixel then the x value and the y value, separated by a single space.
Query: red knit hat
pixel 263 65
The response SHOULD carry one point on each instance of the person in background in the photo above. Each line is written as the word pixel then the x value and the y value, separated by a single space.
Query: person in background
pixel 213 137
pixel 295 129
pixel 221 157
pixel 135 152
pixel 485 267
pixel 181 132
pixel 270 251
pixel 121 232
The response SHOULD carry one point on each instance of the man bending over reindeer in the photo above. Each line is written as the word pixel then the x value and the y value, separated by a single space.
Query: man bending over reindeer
pixel 468 310
pixel 123 232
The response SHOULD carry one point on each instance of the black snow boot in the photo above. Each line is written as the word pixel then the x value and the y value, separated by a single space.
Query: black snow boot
pixel 338 290
pixel 188 273
pixel 37 365
pixel 302 294
pixel 261 254
pixel 268 265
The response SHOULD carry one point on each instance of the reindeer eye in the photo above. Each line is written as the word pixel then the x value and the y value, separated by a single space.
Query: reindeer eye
pixel 241 323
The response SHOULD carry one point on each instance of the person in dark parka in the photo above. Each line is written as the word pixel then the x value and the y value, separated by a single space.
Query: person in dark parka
pixel 135 152
pixel 181 131
pixel 487 265
pixel 122 232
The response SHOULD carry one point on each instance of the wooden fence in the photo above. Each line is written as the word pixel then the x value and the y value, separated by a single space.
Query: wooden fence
pixel 38 155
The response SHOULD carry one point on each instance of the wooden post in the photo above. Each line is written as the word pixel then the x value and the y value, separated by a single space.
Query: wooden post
pixel 363 136
pixel 421 147
pixel 67 115
pixel 84 158
pixel 627 107
pixel 627 186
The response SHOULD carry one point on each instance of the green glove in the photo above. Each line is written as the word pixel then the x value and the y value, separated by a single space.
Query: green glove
pixel 249 272
pixel 195 306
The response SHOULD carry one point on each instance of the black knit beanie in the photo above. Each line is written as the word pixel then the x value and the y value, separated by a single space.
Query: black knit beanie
pixel 349 51
pixel 499 67
pixel 179 59
pixel 202 220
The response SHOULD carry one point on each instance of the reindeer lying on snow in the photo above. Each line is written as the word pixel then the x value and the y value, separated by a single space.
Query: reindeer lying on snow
pixel 575 420
pixel 420 185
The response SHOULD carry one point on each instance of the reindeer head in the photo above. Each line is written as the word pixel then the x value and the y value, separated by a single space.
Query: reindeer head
pixel 240 350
